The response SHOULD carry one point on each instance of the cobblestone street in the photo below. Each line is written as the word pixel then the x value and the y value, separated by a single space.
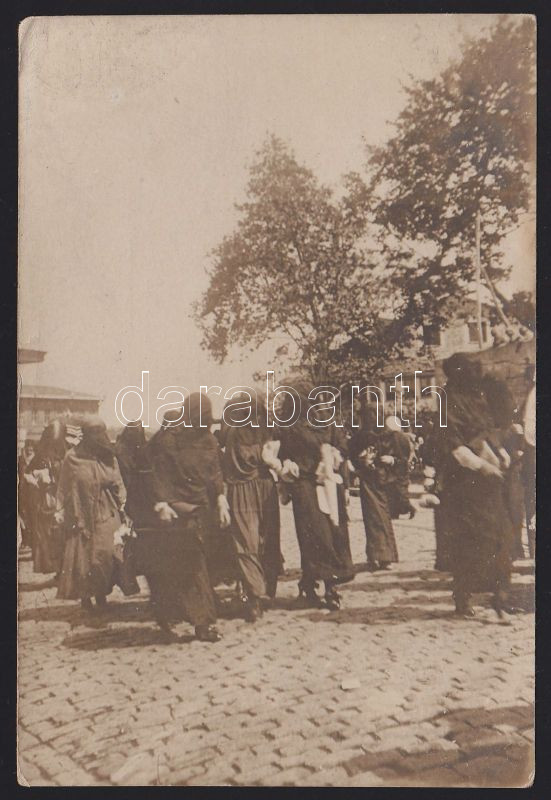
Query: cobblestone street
pixel 391 690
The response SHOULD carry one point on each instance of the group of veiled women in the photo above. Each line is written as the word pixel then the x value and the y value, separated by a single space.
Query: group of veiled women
pixel 204 507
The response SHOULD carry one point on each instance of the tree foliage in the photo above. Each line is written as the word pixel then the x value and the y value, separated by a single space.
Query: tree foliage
pixel 522 307
pixel 294 264
pixel 350 279
pixel 463 144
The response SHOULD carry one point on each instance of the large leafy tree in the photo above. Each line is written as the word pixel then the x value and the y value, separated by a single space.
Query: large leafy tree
pixel 294 265
pixel 350 279
pixel 463 144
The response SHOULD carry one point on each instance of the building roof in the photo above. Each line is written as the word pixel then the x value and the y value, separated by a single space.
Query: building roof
pixel 30 355
pixel 54 393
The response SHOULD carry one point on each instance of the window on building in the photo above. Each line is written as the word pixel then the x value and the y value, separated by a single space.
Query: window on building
pixel 431 335
pixel 473 332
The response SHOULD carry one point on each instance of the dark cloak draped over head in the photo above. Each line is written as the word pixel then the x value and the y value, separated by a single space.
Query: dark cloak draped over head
pixel 172 418
pixel 501 402
pixel 128 449
pixel 463 374
pixel 254 408
pixel 95 441
pixel 52 445
pixel 368 418
pixel 193 420
pixel 468 413
pixel 132 436
pixel 301 390
pixel 197 412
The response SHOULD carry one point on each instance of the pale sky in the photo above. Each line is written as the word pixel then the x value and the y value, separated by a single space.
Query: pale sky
pixel 136 135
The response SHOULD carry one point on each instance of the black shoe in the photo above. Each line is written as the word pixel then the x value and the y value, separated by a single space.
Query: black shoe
pixel 86 604
pixel 332 600
pixel 309 599
pixel 501 607
pixel 101 601
pixel 167 634
pixel 253 610
pixel 307 596
pixel 207 633
pixel 512 609
pixel 466 611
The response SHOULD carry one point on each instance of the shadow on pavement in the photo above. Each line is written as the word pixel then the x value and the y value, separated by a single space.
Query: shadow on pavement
pixel 116 638
pixel 37 586
pixel 73 614
pixel 485 756
pixel 443 585
pixel 382 615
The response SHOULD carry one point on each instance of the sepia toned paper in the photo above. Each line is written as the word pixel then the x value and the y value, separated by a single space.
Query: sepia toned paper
pixel 259 203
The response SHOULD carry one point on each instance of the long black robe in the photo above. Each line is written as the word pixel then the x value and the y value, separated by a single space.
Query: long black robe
pixel 374 481
pixel 186 473
pixel 324 546
pixel 47 536
pixel 477 516
pixel 397 445
pixel 254 504
pixel 91 494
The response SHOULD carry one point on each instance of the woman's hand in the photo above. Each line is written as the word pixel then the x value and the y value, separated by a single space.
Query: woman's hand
pixel 337 458
pixel 269 456
pixel 490 470
pixel 43 477
pixel 270 451
pixel 387 460
pixel 224 516
pixel 166 513
pixel 290 470
pixel 59 517
pixel 505 457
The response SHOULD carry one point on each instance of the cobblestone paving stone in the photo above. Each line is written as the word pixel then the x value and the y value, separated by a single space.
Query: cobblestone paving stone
pixel 439 701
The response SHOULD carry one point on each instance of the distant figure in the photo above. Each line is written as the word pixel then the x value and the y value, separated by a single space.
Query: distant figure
pixel 129 443
pixel 43 474
pixel 501 404
pixel 400 447
pixel 90 501
pixel 24 493
pixel 371 457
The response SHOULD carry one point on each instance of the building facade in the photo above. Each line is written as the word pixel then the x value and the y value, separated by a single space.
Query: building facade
pixel 39 404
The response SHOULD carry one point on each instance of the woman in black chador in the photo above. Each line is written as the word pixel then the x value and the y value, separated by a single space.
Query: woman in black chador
pixel 370 453
pixel 311 455
pixel 130 443
pixel 250 453
pixel 473 465
pixel 188 494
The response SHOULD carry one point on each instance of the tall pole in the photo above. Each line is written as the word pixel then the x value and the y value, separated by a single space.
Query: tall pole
pixel 478 281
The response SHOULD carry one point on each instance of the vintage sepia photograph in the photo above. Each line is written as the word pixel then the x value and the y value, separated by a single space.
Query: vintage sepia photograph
pixel 276 400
